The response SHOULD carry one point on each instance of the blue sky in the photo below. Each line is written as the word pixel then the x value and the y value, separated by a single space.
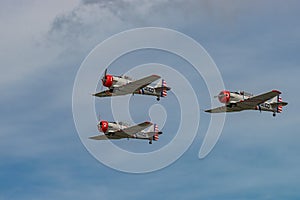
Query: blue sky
pixel 255 46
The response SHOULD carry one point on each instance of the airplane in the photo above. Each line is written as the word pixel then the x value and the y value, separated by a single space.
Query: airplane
pixel 122 85
pixel 120 130
pixel 239 101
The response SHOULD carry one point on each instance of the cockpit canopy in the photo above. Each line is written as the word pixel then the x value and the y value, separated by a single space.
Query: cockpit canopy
pixel 243 93
pixel 123 123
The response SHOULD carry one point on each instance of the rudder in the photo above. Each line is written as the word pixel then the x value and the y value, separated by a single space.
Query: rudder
pixel 164 85
pixel 279 108
pixel 156 131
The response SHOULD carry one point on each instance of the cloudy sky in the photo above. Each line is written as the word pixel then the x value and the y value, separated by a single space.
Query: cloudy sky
pixel 255 45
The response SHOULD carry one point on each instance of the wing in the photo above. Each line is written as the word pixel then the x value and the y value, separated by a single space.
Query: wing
pixel 224 109
pixel 249 103
pixel 105 93
pixel 105 137
pixel 279 104
pixel 256 100
pixel 137 128
pixel 135 85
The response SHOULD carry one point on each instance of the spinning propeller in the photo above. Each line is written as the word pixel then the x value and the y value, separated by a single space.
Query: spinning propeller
pixel 107 80
pixel 104 76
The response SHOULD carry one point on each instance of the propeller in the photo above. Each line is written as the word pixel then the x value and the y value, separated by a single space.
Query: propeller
pixel 104 76
pixel 103 79
pixel 99 123
pixel 98 118
pixel 219 96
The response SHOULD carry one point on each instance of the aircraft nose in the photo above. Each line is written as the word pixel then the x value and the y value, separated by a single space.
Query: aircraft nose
pixel 224 96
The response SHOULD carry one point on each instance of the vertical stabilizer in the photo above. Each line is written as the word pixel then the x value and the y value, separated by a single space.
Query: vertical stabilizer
pixel 155 136
pixel 164 90
pixel 279 107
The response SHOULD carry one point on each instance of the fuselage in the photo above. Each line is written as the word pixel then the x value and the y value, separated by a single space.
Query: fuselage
pixel 105 126
pixel 120 130
pixel 231 98
pixel 113 82
pixel 109 128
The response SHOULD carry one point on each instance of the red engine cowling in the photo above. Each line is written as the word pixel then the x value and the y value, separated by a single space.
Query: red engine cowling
pixel 224 96
pixel 103 126
pixel 108 80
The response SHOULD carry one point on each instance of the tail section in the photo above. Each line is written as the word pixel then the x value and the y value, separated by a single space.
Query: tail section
pixel 279 107
pixel 156 132
pixel 154 135
pixel 277 104
pixel 162 88
pixel 164 91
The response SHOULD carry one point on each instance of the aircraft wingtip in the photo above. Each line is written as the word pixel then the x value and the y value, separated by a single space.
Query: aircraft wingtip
pixel 277 91
pixel 156 75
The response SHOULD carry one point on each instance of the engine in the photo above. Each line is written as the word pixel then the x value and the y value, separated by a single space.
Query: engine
pixel 224 96
pixel 108 80
pixel 103 126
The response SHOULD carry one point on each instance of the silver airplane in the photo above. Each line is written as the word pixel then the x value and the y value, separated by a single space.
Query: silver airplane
pixel 123 85
pixel 120 130
pixel 239 101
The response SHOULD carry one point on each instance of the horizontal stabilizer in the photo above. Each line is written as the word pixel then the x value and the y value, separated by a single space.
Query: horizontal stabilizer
pixel 104 137
pixel 279 104
pixel 150 134
pixel 98 137
pixel 161 88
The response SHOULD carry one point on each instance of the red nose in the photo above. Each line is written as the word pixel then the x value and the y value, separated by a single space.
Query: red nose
pixel 103 126
pixel 107 81
pixel 224 96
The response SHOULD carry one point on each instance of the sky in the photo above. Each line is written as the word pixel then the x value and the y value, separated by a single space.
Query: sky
pixel 255 45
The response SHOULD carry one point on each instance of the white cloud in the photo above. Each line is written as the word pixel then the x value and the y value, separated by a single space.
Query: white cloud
pixel 22 29
pixel 93 21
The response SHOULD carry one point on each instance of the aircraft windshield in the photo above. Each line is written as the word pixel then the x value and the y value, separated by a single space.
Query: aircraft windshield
pixel 123 124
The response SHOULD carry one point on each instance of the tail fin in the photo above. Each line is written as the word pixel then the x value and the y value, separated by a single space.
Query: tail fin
pixel 279 107
pixel 156 132
pixel 164 91
pixel 161 87
pixel 277 104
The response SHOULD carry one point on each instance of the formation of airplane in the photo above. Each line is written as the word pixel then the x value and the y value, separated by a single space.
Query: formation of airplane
pixel 239 101
pixel 120 130
pixel 123 85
